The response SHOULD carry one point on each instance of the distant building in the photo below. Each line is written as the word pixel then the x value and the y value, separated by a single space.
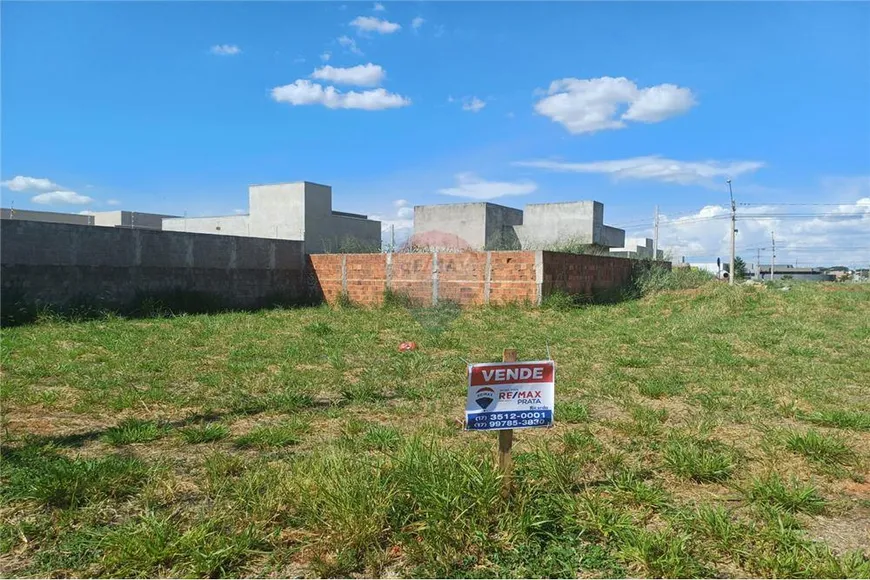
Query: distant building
pixel 117 219
pixel 638 248
pixel 793 273
pixel 839 272
pixel 292 211
pixel 489 226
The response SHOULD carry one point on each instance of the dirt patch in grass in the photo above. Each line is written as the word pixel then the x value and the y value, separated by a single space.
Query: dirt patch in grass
pixel 845 534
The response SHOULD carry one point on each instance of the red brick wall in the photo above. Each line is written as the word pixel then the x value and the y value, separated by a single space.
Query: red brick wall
pixel 412 276
pixel 461 276
pixel 366 278
pixel 580 274
pixel 513 277
pixel 325 275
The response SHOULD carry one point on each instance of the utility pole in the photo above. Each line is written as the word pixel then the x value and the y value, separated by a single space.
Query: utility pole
pixel 772 254
pixel 656 235
pixel 392 238
pixel 731 275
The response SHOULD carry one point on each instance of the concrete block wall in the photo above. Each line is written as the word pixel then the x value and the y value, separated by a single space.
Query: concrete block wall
pixel 51 263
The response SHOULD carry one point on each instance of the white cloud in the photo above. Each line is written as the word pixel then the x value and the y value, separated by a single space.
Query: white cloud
pixel 61 198
pixel 417 22
pixel 304 92
pixel 225 49
pixel 405 212
pixel 22 183
pixel 363 75
pixel 350 44
pixel 299 59
pixel 826 235
pixel 113 202
pixel 372 24
pixel 87 212
pixel 655 168
pixel 658 103
pixel 474 105
pixel 510 115
pixel 240 211
pixel 590 105
pixel 378 7
pixel 326 56
pixel 471 186
pixel 400 203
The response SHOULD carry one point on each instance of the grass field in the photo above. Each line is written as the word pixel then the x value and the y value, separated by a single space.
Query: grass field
pixel 708 432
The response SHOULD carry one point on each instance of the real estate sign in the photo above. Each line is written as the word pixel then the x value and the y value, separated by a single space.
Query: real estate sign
pixel 510 395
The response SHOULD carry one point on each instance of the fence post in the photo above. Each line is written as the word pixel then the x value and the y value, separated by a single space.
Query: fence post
pixel 506 439
pixel 539 277
pixel 434 278
pixel 487 278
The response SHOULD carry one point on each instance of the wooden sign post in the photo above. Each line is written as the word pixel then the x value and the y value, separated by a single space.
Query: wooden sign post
pixel 506 439
pixel 509 395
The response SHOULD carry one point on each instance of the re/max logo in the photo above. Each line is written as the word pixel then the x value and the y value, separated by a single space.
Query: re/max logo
pixel 520 395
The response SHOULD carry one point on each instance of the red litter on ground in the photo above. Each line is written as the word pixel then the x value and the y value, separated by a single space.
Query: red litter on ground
pixel 406 346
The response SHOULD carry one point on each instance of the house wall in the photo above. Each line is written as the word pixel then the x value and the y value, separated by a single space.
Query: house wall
pixel 461 224
pixel 500 224
pixel 129 219
pixel 277 211
pixel 225 225
pixel 291 211
pixel 47 216
pixel 552 224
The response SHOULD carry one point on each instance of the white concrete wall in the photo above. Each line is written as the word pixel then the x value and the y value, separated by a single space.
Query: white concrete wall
pixel 290 211
pixel 47 216
pixel 128 219
pixel 277 211
pixel 465 221
pixel 551 224
pixel 236 225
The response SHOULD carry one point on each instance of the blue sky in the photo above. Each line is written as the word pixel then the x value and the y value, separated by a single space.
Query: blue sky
pixel 178 107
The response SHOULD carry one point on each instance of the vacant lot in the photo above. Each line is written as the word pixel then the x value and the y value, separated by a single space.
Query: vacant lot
pixel 710 432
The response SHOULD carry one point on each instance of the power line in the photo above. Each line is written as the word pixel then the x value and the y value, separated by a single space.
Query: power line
pixel 803 215
pixel 790 204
